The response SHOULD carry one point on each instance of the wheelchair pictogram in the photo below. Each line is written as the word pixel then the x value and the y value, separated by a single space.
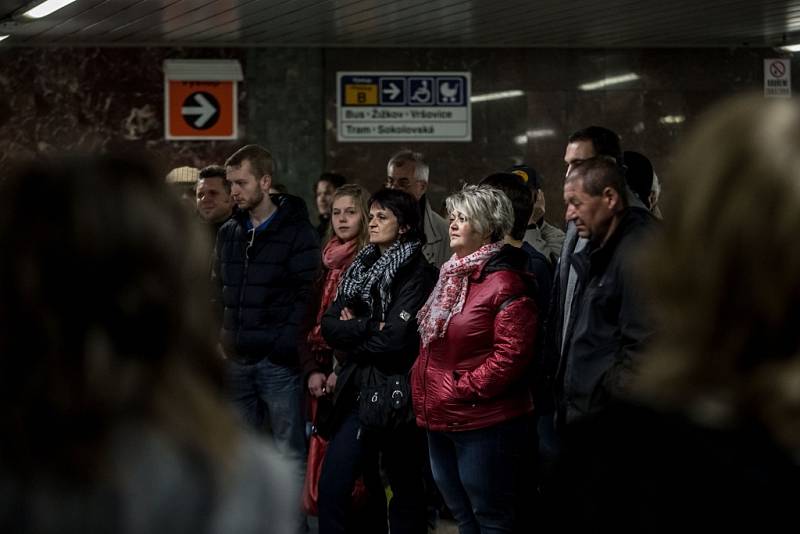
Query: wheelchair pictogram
pixel 421 91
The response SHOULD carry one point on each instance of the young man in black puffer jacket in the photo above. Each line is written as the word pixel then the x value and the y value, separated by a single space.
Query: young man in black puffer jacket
pixel 266 258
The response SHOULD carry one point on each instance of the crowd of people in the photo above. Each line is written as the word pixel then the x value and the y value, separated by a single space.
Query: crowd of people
pixel 623 373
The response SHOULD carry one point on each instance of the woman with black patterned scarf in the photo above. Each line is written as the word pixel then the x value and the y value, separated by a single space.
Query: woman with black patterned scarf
pixel 373 329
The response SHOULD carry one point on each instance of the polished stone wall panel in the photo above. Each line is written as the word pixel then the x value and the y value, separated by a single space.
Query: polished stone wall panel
pixel 672 82
pixel 92 99
pixel 54 99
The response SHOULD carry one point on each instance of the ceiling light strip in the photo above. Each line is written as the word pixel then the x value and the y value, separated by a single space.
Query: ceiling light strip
pixel 612 80
pixel 45 8
pixel 496 96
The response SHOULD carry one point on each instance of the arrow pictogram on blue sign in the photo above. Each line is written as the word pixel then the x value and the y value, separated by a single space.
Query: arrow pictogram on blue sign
pixel 393 91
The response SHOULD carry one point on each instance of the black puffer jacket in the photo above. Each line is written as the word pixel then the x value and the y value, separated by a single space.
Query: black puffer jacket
pixel 264 282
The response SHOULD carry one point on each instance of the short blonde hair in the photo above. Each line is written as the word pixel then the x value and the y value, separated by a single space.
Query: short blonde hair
pixel 487 208
pixel 724 274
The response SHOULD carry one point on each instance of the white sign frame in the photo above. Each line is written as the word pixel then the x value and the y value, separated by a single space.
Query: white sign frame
pixel 777 78
pixel 388 122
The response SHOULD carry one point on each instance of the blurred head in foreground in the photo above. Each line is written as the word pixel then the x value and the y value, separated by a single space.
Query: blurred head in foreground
pixel 103 313
pixel 113 413
pixel 725 272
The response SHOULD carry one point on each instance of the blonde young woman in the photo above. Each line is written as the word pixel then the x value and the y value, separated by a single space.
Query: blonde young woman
pixel 350 233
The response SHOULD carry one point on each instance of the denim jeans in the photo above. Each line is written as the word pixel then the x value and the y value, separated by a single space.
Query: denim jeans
pixel 268 393
pixel 480 472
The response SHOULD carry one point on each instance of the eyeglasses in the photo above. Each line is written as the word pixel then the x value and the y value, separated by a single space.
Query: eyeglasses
pixel 401 183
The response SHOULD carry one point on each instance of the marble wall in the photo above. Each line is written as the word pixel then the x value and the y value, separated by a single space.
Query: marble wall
pixel 55 99
pixel 112 99
pixel 672 83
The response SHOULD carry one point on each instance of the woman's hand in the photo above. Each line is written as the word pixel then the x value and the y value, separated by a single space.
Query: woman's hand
pixel 346 314
pixel 330 384
pixel 316 384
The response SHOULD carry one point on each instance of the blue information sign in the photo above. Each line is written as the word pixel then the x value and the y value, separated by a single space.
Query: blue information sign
pixel 398 106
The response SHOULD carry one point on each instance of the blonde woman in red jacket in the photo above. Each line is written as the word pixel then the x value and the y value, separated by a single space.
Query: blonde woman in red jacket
pixel 477 331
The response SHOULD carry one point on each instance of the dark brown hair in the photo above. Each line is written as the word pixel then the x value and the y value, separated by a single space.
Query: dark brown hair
pixel 104 316
pixel 259 157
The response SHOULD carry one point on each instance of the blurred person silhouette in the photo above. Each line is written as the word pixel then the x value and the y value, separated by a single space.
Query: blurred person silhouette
pixel 324 187
pixel 113 412
pixel 710 436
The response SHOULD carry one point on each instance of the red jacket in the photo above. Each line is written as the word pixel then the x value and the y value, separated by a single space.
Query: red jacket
pixel 474 376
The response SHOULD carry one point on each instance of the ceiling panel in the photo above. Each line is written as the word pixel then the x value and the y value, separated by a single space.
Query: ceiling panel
pixel 408 23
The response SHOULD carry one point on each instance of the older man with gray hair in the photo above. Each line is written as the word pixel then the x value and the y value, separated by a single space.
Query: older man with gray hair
pixel 407 171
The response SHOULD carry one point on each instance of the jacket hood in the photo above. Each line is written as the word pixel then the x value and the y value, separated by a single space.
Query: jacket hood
pixel 508 258
pixel 511 258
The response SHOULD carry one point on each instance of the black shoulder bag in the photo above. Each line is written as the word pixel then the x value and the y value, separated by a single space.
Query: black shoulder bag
pixel 384 400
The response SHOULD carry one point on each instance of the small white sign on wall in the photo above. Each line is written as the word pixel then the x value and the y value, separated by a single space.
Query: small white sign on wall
pixel 777 78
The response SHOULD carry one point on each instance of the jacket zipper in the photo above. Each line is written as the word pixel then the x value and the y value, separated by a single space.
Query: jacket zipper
pixel 244 283
pixel 425 391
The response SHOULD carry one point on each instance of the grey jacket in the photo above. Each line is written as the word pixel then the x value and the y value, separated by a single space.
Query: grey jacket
pixel 547 239
pixel 437 247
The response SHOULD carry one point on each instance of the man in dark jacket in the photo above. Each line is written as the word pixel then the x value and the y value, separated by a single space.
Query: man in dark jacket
pixel 213 195
pixel 607 327
pixel 266 258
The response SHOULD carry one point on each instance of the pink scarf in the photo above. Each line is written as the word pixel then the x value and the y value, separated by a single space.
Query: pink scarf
pixel 447 298
pixel 336 257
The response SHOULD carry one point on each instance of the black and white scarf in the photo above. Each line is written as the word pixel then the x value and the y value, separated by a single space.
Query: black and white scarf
pixel 370 268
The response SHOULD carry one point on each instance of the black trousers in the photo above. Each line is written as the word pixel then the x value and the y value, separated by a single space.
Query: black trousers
pixel 353 452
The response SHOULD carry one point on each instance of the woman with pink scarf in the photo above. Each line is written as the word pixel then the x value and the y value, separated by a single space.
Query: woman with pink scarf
pixel 477 334
pixel 350 234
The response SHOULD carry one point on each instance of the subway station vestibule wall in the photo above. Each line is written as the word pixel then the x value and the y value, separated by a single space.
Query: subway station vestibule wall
pixel 54 99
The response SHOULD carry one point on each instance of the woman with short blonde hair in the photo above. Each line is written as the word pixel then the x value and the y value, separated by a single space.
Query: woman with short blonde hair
pixel 477 331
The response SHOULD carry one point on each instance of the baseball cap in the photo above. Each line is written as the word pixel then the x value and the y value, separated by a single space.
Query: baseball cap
pixel 529 176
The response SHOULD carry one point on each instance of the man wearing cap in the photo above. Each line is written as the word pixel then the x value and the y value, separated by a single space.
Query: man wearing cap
pixel 541 235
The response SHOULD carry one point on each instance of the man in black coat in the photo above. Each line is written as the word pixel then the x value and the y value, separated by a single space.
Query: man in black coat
pixel 607 328
pixel 266 258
